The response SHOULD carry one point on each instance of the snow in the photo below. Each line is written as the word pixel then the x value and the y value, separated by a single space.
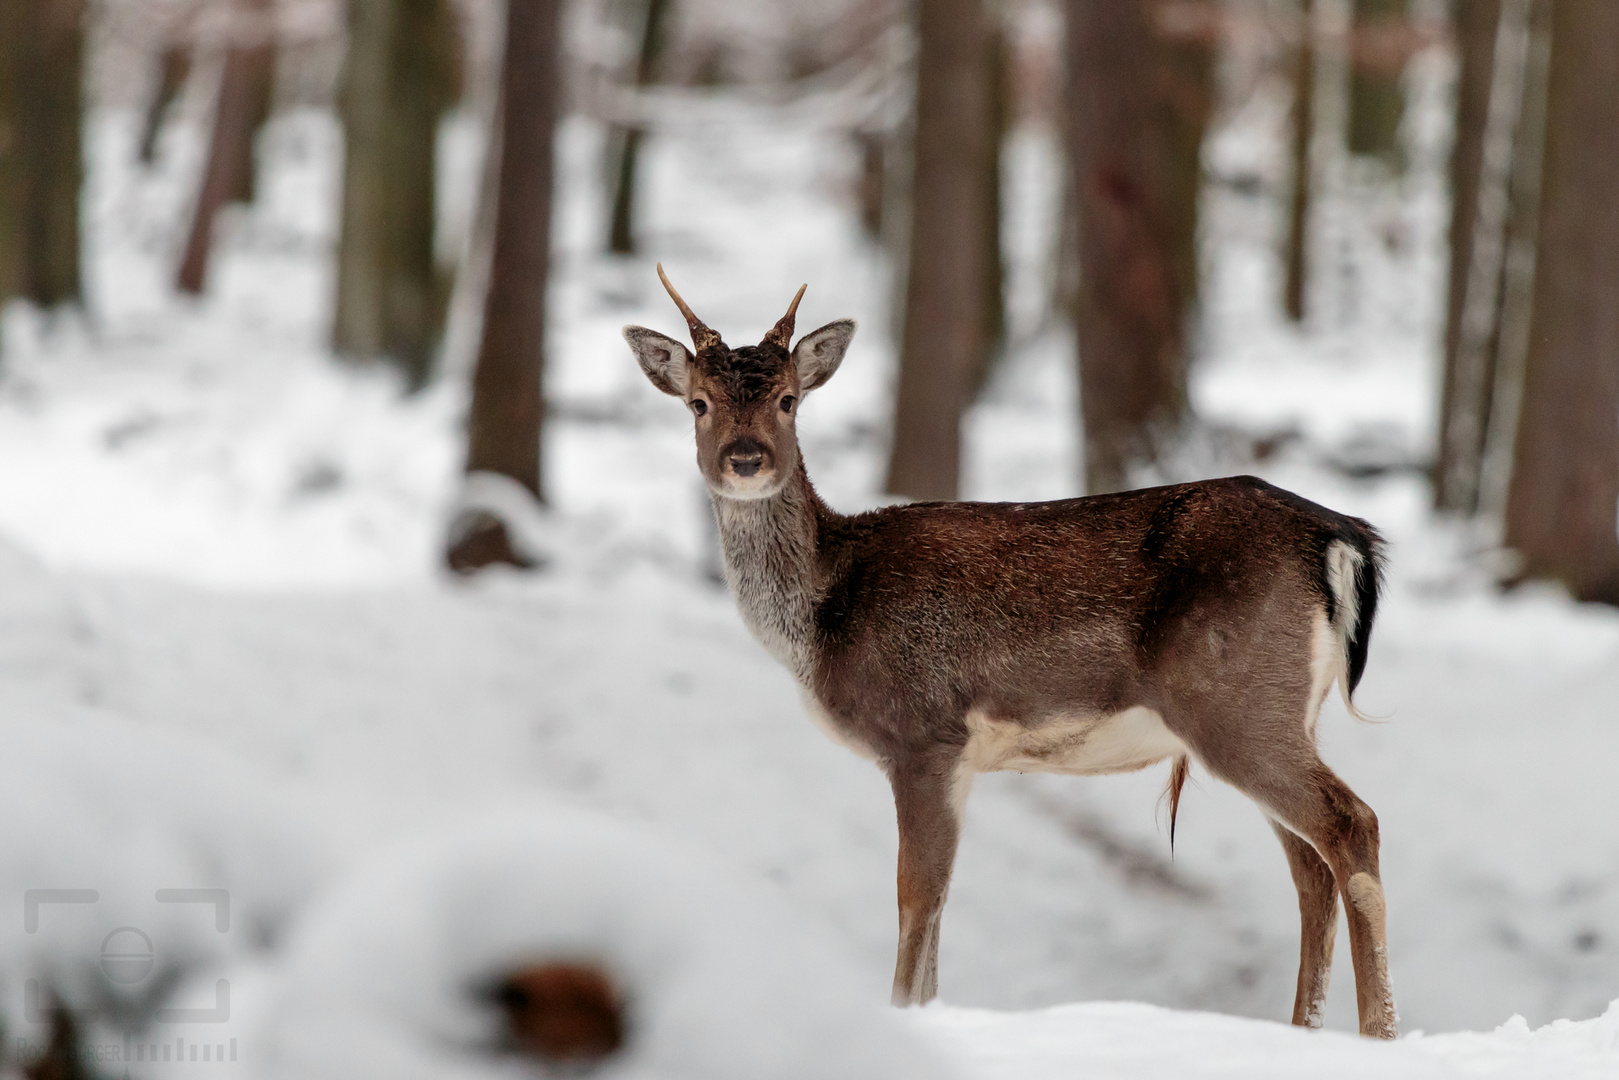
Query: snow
pixel 228 659
pixel 1121 1041
pixel 723 980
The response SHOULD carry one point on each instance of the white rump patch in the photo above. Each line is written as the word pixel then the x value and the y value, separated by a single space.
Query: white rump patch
pixel 1344 566
pixel 1327 663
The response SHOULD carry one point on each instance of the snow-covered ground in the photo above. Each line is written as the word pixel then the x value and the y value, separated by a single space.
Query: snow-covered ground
pixel 213 536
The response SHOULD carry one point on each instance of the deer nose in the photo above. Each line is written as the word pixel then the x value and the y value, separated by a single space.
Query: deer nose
pixel 747 463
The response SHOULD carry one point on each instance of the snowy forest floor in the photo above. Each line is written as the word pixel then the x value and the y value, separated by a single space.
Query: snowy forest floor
pixel 213 530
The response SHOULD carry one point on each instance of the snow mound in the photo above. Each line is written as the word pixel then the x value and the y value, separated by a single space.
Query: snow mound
pixel 1126 1041
pixel 392 972
pixel 131 861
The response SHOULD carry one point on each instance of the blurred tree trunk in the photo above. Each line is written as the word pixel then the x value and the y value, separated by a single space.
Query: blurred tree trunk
pixel 245 87
pixel 624 141
pixel 947 329
pixel 174 68
pixel 1379 47
pixel 997 46
pixel 13 24
pixel 1514 317
pixel 1296 255
pixel 402 73
pixel 41 149
pixel 508 404
pixel 1563 504
pixel 1475 24
pixel 1138 104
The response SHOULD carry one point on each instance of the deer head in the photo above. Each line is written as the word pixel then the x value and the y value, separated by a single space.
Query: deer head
pixel 744 401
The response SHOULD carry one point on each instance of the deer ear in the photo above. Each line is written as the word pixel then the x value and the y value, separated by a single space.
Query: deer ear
pixel 819 352
pixel 666 361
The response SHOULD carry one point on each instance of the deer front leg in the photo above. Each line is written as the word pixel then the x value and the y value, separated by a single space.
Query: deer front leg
pixel 928 797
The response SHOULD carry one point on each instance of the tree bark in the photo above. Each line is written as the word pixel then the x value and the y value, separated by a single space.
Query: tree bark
pixel 400 76
pixel 1475 30
pixel 1296 256
pixel 1379 48
pixel 244 104
pixel 1563 502
pixel 41 155
pixel 507 391
pixel 946 322
pixel 174 68
pixel 1137 108
pixel 998 47
pixel 1515 316
pixel 624 142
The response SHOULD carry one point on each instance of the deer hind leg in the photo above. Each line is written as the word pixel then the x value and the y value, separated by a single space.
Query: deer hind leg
pixel 1318 924
pixel 1343 830
pixel 1280 771
pixel 927 800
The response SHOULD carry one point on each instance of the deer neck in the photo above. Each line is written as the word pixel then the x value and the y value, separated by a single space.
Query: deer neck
pixel 770 550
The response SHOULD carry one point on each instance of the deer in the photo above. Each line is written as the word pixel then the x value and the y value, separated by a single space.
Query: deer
pixel 1199 622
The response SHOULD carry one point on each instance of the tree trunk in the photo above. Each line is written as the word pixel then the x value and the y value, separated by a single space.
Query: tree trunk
pixel 1475 30
pixel 946 322
pixel 1296 256
pixel 174 68
pixel 41 149
pixel 624 142
pixel 507 392
pixel 1515 318
pixel 1379 48
pixel 244 105
pixel 400 76
pixel 1137 108
pixel 13 24
pixel 1563 504
pixel 997 46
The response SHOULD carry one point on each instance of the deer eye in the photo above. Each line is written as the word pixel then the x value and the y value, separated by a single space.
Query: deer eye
pixel 787 403
pixel 699 406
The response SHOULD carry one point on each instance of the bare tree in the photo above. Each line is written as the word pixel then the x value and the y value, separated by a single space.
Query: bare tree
pixel 947 330
pixel 245 87
pixel 174 68
pixel 1563 504
pixel 41 156
pixel 402 72
pixel 1138 104
pixel 1296 251
pixel 1475 28
pixel 624 140
pixel 508 404
pixel 1379 48
pixel 998 45
pixel 1496 189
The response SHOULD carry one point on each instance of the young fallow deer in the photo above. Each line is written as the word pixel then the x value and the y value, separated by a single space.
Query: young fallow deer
pixel 1200 621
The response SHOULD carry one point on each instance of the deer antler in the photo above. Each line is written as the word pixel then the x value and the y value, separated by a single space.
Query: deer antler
pixel 701 335
pixel 782 333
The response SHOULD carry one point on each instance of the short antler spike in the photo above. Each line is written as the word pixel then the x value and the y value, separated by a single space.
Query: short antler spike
pixel 782 333
pixel 701 335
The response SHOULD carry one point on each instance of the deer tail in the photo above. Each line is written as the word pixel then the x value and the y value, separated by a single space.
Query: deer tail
pixel 1354 580
pixel 1177 780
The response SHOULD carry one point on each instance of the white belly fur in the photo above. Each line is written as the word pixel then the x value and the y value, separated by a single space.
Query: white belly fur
pixel 1072 745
